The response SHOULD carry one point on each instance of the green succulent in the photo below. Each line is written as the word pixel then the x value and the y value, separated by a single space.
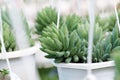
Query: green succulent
pixel 72 21
pixel 106 46
pixel 4 74
pixel 69 43
pixel 9 39
pixel 83 30
pixel 27 29
pixel 116 52
pixel 6 19
pixel 116 57
pixel 44 18
pixel 108 23
pixel 8 35
pixel 61 38
pixel 48 15
pixel 65 46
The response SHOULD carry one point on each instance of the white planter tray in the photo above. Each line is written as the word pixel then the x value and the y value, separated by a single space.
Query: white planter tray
pixel 21 53
pixel 22 63
pixel 78 71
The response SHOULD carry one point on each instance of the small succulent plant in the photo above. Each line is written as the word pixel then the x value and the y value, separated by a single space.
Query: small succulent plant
pixel 72 21
pixel 27 29
pixel 65 46
pixel 4 74
pixel 48 16
pixel 108 44
pixel 116 57
pixel 108 23
pixel 69 42
pixel 9 39
pixel 6 19
pixel 45 18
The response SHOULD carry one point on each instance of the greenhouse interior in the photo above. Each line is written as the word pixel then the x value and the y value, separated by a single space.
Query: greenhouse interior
pixel 59 39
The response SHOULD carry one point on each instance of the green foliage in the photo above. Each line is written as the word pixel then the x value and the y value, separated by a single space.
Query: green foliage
pixel 8 35
pixel 103 48
pixel 72 21
pixel 48 15
pixel 65 46
pixel 48 73
pixel 69 43
pixel 116 57
pixel 83 30
pixel 6 19
pixel 107 23
pixel 27 29
pixel 9 39
pixel 45 18
pixel 4 74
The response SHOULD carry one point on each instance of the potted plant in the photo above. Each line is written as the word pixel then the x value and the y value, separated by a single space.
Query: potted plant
pixel 44 18
pixel 16 56
pixel 68 48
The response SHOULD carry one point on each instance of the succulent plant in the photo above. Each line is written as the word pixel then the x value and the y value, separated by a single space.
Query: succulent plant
pixel 116 57
pixel 4 74
pixel 69 43
pixel 106 46
pixel 48 15
pixel 72 21
pixel 6 19
pixel 9 39
pixel 108 23
pixel 45 18
pixel 27 29
pixel 65 46
pixel 115 52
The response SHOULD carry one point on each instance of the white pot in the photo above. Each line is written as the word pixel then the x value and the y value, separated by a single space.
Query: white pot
pixel 76 71
pixel 22 63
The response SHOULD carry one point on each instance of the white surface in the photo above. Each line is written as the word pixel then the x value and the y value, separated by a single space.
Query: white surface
pixel 41 61
pixel 85 66
pixel 21 53
pixel 24 67
pixel 74 71
pixel 14 76
pixel 90 77
pixel 22 63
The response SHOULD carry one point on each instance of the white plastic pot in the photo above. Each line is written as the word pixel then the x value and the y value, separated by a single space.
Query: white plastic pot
pixel 76 71
pixel 22 63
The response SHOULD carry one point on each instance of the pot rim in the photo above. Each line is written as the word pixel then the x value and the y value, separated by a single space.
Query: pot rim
pixel 21 53
pixel 85 65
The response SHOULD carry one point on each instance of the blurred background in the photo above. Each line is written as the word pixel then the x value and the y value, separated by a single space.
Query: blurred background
pixel 80 7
